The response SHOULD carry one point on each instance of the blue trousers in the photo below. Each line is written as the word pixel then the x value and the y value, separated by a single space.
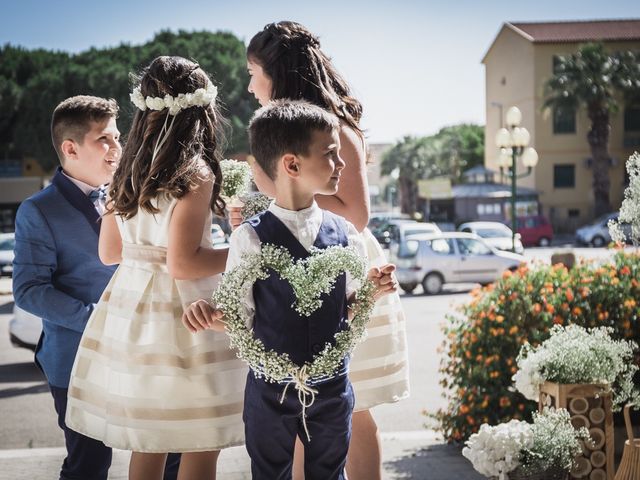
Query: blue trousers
pixel 271 428
pixel 87 458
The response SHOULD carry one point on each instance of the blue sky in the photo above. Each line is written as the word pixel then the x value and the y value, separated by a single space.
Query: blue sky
pixel 415 65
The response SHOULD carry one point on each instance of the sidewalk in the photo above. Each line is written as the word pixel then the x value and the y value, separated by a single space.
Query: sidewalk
pixel 407 455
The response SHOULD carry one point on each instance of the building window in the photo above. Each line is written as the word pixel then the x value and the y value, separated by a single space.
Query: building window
pixel 632 118
pixel 564 176
pixel 574 212
pixel 564 120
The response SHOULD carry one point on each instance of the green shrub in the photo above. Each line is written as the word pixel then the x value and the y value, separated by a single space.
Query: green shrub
pixel 483 340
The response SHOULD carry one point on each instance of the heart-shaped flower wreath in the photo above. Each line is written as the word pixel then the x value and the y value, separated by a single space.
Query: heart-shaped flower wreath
pixel 310 278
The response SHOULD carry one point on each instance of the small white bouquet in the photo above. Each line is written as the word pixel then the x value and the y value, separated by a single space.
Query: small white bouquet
pixel 236 180
pixel 495 451
pixel 254 203
pixel 574 354
pixel 519 449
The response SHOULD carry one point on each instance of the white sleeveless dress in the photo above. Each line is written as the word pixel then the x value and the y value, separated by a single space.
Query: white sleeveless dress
pixel 141 381
pixel 379 368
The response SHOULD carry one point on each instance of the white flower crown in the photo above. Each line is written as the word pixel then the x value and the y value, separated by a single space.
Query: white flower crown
pixel 200 98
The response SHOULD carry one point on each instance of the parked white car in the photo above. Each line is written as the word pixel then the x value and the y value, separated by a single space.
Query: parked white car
pixel 24 329
pixel 496 234
pixel 596 233
pixel 452 257
pixel 7 243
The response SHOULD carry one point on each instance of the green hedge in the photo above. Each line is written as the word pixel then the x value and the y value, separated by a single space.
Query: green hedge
pixel 484 338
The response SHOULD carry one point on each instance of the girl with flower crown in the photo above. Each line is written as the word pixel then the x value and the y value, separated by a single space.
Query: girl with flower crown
pixel 141 381
pixel 285 61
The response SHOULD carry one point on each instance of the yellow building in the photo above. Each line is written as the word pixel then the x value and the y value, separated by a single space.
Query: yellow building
pixel 518 63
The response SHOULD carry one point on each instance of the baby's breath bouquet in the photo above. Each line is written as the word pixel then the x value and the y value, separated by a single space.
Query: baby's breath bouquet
pixel 573 354
pixel 236 179
pixel 630 209
pixel 254 203
pixel 519 449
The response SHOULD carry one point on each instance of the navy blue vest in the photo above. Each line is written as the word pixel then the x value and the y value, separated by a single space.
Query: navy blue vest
pixel 276 323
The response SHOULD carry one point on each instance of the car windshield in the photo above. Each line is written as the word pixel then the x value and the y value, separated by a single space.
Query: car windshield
pixel 493 233
pixel 605 218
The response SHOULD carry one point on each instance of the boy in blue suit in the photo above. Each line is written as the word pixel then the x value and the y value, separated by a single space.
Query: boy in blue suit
pixel 57 273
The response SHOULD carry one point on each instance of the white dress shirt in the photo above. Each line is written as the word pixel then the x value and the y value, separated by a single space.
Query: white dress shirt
pixel 87 189
pixel 304 225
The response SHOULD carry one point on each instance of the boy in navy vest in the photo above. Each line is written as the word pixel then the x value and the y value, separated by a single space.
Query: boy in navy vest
pixel 296 144
pixel 57 273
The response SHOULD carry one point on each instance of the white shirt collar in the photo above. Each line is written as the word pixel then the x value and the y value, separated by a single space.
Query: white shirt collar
pixel 303 215
pixel 84 187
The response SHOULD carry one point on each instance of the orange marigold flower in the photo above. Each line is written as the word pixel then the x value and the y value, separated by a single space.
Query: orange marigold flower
pixel 635 283
pixel 521 407
pixel 569 295
pixel 577 311
pixel 513 330
pixel 549 308
pixel 506 274
pixel 500 318
pixel 558 320
pixel 504 402
pixel 529 288
pixel 537 308
pixel 467 354
pixel 513 296
pixel 470 420
pixel 464 409
pixel 565 306
pixel 615 281
pixel 625 270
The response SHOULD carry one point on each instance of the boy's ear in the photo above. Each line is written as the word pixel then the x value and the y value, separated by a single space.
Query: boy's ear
pixel 69 149
pixel 291 164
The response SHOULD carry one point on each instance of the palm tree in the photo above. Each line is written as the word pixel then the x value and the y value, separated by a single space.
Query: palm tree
pixel 592 77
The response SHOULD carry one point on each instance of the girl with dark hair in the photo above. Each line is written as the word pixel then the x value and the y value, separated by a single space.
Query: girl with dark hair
pixel 285 61
pixel 141 381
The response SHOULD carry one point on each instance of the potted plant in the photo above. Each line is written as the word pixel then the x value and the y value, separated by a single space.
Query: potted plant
pixel 517 450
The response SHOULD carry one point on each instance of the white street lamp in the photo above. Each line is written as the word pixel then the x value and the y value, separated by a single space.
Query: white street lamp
pixel 512 143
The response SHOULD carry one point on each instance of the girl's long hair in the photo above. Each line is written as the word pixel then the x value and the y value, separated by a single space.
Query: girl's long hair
pixel 197 136
pixel 299 70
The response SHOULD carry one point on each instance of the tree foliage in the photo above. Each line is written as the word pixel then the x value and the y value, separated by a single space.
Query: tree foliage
pixel 33 82
pixel 593 78
pixel 448 153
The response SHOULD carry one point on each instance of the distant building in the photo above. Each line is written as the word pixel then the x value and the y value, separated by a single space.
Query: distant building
pixel 517 65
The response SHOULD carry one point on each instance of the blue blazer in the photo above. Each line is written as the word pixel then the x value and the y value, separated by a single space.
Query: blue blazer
pixel 57 274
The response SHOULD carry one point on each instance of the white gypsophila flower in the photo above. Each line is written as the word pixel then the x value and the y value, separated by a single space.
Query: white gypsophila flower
pixel 254 203
pixel 555 442
pixel 332 262
pixel 573 354
pixel 630 209
pixel 236 178
pixel 495 450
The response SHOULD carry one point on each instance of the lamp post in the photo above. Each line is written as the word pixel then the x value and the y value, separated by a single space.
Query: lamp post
pixel 512 142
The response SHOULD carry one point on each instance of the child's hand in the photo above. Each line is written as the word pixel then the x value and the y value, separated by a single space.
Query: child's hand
pixel 383 279
pixel 200 315
pixel 235 217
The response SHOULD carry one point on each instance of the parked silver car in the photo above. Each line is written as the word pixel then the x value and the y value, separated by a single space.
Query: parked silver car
pixel 496 234
pixel 452 257
pixel 7 243
pixel 596 233
pixel 24 329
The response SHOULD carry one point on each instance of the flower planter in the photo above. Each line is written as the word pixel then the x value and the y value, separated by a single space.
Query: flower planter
pixel 589 406
pixel 630 465
pixel 555 474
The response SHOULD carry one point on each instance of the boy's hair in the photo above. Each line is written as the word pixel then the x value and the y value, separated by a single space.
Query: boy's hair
pixel 286 126
pixel 71 119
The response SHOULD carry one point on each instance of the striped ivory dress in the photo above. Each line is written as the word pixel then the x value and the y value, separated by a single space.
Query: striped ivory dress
pixel 379 368
pixel 141 381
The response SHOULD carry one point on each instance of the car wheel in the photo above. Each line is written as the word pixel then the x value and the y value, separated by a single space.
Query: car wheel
pixel 544 242
pixel 432 283
pixel 597 241
pixel 408 287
